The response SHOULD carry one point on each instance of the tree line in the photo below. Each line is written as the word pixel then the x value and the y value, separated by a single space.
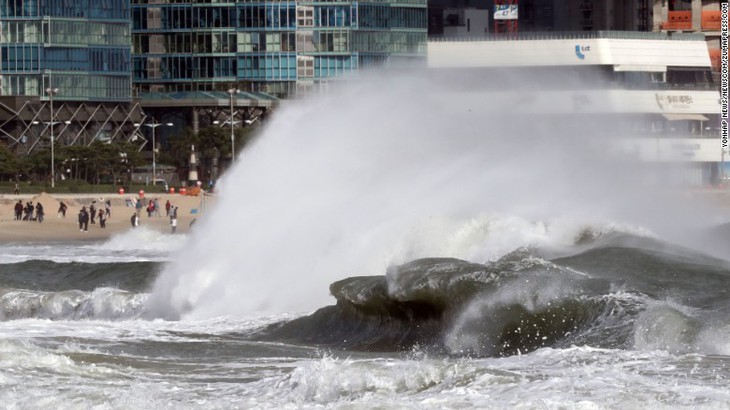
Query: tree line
pixel 113 162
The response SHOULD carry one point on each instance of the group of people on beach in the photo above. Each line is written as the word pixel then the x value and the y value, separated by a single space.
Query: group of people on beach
pixel 100 211
pixel 29 212
pixel 153 208
pixel 93 213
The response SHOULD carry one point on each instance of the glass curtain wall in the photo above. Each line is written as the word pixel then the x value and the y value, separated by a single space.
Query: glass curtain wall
pixel 81 46
pixel 183 45
pixel 270 46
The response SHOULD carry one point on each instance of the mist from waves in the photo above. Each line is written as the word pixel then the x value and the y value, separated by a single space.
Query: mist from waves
pixel 386 170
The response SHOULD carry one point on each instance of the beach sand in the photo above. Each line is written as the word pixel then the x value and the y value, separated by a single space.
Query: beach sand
pixel 55 228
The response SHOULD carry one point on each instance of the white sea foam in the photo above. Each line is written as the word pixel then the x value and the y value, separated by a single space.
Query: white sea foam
pixel 101 303
pixel 135 364
pixel 136 245
pixel 580 378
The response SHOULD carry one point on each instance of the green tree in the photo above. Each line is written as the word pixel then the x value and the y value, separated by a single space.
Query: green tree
pixel 10 164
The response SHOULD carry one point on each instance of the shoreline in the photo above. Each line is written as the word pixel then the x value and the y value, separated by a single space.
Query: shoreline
pixel 56 229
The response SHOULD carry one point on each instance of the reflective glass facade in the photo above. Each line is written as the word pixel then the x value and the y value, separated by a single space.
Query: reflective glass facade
pixel 270 46
pixel 81 47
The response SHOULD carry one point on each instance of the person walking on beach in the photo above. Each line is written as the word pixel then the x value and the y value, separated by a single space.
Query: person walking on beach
pixel 102 219
pixel 92 212
pixel 134 220
pixel 167 208
pixel 108 208
pixel 83 219
pixel 28 211
pixel 138 206
pixel 62 210
pixel 19 210
pixel 16 190
pixel 157 208
pixel 173 223
pixel 39 212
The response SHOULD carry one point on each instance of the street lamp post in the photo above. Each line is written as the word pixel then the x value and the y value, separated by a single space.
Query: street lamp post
pixel 51 92
pixel 232 92
pixel 154 125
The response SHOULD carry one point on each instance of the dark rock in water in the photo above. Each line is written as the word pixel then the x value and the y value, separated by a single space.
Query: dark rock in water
pixel 410 306
pixel 515 305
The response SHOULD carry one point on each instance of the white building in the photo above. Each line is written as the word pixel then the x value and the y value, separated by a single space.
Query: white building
pixel 659 87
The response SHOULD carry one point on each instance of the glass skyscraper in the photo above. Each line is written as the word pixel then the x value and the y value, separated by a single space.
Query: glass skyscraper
pixel 74 53
pixel 190 62
pixel 268 46
pixel 79 46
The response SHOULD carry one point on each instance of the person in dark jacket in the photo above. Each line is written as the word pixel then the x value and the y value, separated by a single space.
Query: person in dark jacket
pixel 19 211
pixel 83 219
pixel 39 212
pixel 92 212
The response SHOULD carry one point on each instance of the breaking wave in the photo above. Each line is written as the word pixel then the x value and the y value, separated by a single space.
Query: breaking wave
pixel 623 292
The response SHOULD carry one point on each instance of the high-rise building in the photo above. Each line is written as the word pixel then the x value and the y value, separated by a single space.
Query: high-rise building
pixel 65 72
pixel 203 62
pixel 274 47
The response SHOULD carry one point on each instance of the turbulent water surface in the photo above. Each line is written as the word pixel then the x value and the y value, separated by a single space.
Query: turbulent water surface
pixel 614 321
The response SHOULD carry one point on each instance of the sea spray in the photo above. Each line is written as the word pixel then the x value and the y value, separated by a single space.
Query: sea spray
pixel 344 185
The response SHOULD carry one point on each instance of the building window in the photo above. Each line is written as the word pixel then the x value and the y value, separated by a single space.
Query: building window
pixel 305 66
pixel 305 16
pixel 305 42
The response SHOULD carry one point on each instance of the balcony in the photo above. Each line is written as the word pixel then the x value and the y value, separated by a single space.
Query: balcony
pixel 711 20
pixel 678 20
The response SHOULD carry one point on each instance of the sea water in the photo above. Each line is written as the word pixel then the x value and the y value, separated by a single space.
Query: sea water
pixel 400 253
pixel 61 347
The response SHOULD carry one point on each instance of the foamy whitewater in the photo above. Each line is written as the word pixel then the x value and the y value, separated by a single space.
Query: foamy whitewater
pixel 384 247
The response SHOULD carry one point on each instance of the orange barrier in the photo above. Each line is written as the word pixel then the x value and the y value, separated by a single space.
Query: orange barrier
pixel 141 193
pixel 711 20
pixel 715 58
pixel 121 191
pixel 172 189
pixel 183 191
pixel 678 20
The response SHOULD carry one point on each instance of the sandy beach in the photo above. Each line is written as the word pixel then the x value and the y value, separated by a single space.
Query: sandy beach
pixel 56 228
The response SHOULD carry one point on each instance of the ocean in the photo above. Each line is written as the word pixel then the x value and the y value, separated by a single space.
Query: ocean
pixel 405 252
pixel 616 321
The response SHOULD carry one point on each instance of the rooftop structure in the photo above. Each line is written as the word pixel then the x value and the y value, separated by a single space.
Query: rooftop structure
pixel 696 16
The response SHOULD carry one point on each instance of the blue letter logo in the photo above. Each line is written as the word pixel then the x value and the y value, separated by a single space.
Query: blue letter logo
pixel 578 53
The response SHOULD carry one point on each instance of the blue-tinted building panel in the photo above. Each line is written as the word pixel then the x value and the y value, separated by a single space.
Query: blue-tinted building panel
pixel 20 58
pixel 268 45
pixel 18 8
pixel 80 45
pixel 87 59
pixel 88 9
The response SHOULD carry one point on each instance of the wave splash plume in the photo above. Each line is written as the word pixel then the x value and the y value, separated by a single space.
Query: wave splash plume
pixel 352 183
